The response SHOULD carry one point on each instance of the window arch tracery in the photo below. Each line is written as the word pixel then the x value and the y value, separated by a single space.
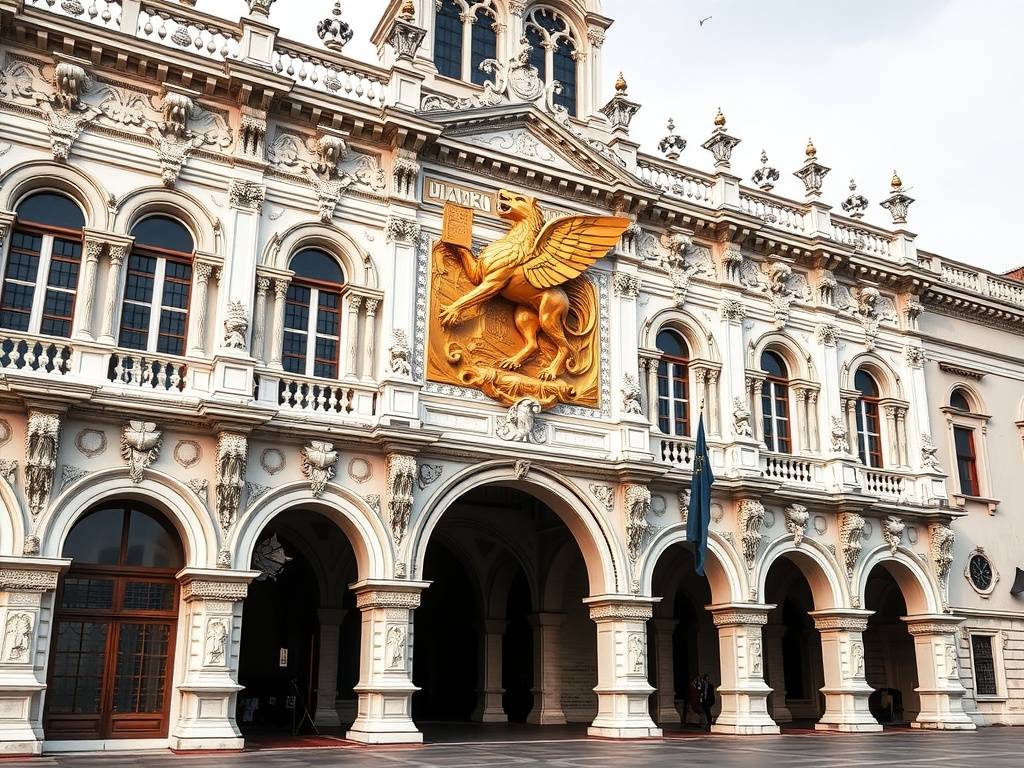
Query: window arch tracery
pixel 465 35
pixel 556 53
pixel 40 277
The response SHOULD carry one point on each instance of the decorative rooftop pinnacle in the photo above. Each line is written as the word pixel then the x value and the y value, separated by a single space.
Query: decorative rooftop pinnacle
pixel 898 203
pixel 855 205
pixel 621 85
pixel 405 35
pixel 673 144
pixel 260 7
pixel 333 31
pixel 721 144
pixel 765 176
pixel 408 11
pixel 812 173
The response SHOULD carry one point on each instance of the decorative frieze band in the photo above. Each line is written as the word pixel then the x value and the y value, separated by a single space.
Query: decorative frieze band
pixel 738 618
pixel 214 590
pixel 387 599
pixel 627 611
pixel 931 628
pixel 840 623
pixel 15 580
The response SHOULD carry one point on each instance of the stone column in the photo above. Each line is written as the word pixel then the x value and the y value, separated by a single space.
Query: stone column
pixel 547 672
pixel 901 435
pixel 87 288
pixel 700 376
pixel 622 688
pixel 212 638
pixel 370 338
pixel 327 671
pixel 490 708
pixel 650 366
pixel 754 404
pixel 893 457
pixel 938 672
pixel 26 603
pixel 277 329
pixel 842 660
pixel 259 319
pixel 385 689
pixel 352 357
pixel 117 253
pixel 743 693
pixel 804 418
pixel 200 306
pixel 812 410
pixel 665 711
pixel 850 404
pixel 776 666
pixel 714 406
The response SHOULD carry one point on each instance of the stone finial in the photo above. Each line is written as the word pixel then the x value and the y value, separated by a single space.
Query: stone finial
pixel 673 144
pixel 765 176
pixel 856 204
pixel 334 32
pixel 898 203
pixel 620 110
pixel 621 85
pixel 260 7
pixel 721 144
pixel 405 35
pixel 812 173
pixel 408 11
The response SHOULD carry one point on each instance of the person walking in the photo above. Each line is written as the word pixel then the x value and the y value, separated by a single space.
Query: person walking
pixel 707 699
pixel 692 702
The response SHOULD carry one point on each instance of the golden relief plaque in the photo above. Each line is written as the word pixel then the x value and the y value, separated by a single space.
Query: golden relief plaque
pixel 520 320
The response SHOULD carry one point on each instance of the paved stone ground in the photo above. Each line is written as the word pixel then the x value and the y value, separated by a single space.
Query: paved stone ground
pixel 986 748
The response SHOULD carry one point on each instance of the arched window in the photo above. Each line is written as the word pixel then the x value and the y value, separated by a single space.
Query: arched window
pixel 158 285
pixel 673 384
pixel 114 629
pixel 448 39
pixel 464 37
pixel 554 54
pixel 775 403
pixel 869 425
pixel 312 336
pixel 41 274
pixel 958 400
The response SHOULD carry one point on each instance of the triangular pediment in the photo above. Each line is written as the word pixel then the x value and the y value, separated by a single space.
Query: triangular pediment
pixel 526 136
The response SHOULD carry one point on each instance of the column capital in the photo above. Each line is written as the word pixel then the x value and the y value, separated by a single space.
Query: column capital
pixel 933 623
pixel 388 594
pixel 31 574
pixel 740 614
pixel 621 607
pixel 215 584
pixel 840 619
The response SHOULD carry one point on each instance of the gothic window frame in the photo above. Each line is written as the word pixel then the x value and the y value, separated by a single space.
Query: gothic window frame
pixel 995 637
pixel 49 235
pixel 136 271
pixel 868 408
pixel 553 42
pixel 975 422
pixel 469 43
pixel 775 392
pixel 317 289
pixel 673 370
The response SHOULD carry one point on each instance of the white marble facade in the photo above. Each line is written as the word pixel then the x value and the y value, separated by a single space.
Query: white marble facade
pixel 261 148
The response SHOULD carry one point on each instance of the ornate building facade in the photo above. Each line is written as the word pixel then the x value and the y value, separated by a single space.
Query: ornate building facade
pixel 368 392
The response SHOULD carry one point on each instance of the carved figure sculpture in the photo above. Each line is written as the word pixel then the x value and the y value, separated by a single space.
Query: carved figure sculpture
pixel 399 354
pixel 892 532
pixel 520 423
pixel 396 647
pixel 232 451
pixel 796 521
pixel 851 539
pixel 530 278
pixel 637 658
pixel 741 418
pixel 41 458
pixel 631 395
pixel 235 325
pixel 638 504
pixel 69 81
pixel 318 461
pixel 929 453
pixel 216 643
pixel 401 477
pixel 140 447
pixel 17 637
pixel 840 440
pixel 751 520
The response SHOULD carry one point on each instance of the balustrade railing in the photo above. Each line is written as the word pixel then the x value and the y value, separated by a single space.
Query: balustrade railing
pixel 104 13
pixel 677 183
pixel 860 238
pixel 773 212
pixel 197 34
pixel 676 453
pixel 788 469
pixel 25 353
pixel 348 79
pixel 322 396
pixel 145 371
pixel 1010 291
pixel 886 484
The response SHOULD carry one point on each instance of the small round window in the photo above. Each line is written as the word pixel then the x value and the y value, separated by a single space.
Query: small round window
pixel 980 573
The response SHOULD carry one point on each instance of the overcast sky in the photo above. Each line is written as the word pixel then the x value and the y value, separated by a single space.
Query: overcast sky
pixel 930 87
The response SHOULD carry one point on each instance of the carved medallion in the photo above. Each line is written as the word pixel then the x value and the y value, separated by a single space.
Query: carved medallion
pixel 520 320
pixel 272 460
pixel 5 432
pixel 359 470
pixel 90 442
pixel 187 453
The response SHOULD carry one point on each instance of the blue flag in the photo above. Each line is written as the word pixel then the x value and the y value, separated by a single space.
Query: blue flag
pixel 698 514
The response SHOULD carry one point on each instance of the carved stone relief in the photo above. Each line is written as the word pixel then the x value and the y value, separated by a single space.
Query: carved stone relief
pixel 140 447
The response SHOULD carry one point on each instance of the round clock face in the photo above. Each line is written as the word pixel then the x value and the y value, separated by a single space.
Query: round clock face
pixel 981 572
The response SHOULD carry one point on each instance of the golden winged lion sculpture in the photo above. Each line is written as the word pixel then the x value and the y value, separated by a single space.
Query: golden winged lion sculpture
pixel 521 319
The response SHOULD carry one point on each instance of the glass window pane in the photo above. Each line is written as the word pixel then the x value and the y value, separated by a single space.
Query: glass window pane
pixel 485 46
pixel 141 667
pixel 315 264
pixel 163 232
pixel 79 657
pixel 51 209
pixel 565 74
pixel 87 592
pixel 96 538
pixel 134 326
pixel 448 40
pixel 984 665
pixel 148 596
pixel 152 542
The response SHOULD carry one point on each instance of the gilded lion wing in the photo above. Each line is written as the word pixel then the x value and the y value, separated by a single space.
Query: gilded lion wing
pixel 566 247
